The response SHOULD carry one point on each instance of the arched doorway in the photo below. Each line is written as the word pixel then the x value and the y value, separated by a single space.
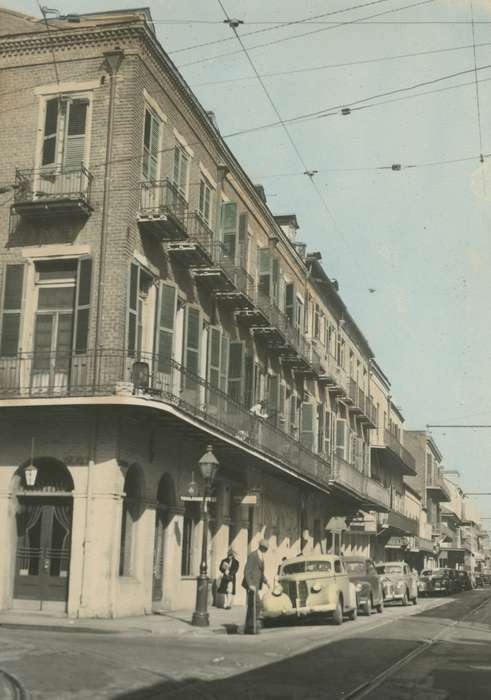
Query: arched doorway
pixel 44 526
pixel 166 498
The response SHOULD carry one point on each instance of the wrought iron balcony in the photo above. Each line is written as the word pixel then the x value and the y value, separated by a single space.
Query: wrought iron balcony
pixel 51 192
pixel 391 452
pixel 163 210
pixel 396 520
pixel 333 376
pixel 347 479
pixel 43 376
pixel 360 403
pixel 436 486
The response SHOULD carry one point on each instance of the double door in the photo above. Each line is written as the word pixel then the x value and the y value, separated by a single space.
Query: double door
pixel 43 550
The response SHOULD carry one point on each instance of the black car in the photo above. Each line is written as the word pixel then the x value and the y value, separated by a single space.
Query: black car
pixel 464 581
pixel 443 581
pixel 369 592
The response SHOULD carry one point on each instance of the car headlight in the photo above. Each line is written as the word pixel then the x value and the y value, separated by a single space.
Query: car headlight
pixel 316 588
pixel 358 587
pixel 278 590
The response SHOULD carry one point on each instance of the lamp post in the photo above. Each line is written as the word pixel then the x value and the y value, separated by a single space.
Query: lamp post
pixel 208 465
pixel 31 471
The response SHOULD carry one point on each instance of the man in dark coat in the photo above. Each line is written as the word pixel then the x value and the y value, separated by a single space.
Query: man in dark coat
pixel 254 579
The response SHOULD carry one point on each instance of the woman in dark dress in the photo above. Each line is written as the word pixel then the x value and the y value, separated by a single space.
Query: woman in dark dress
pixel 228 568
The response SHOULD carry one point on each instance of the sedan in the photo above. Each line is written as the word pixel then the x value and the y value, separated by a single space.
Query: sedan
pixel 369 590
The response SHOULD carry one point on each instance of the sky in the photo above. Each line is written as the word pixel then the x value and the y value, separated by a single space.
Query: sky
pixel 419 236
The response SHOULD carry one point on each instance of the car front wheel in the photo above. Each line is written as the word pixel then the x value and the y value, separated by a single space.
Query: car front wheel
pixel 337 615
pixel 367 607
pixel 380 606
pixel 404 599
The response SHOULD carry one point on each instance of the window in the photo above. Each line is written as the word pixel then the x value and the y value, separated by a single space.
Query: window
pixel 236 371
pixel 190 520
pixel 164 337
pixel 264 267
pixel 341 435
pixel 228 229
pixel 316 322
pixel 338 567
pixel 290 302
pixel 141 309
pixel 307 431
pixel 64 133
pixel 181 169
pixel 218 356
pixel 205 200
pixel 273 395
pixel 151 145
pixel 192 343
pixel 12 310
pixel 131 512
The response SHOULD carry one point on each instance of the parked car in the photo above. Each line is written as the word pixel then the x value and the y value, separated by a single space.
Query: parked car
pixel 387 585
pixel 444 581
pixel 404 582
pixel 369 590
pixel 311 585
pixel 464 580
pixel 425 582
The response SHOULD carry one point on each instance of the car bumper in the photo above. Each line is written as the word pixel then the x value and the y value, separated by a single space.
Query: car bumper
pixel 298 612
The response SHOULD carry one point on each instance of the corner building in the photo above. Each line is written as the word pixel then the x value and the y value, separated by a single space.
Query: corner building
pixel 148 301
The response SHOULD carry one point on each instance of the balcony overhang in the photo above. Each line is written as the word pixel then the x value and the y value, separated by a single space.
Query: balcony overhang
pixel 399 523
pixel 76 205
pixel 389 458
pixel 190 254
pixel 164 225
pixel 438 492
pixel 214 278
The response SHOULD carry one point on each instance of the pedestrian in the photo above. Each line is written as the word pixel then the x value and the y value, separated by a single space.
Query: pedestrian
pixel 253 581
pixel 228 568
pixel 259 409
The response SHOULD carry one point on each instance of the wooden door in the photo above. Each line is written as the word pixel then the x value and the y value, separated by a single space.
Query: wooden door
pixel 43 549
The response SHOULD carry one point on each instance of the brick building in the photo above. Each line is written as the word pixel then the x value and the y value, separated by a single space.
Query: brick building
pixel 151 305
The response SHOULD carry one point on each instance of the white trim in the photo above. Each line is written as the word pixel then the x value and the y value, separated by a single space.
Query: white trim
pixel 207 175
pixel 72 86
pixel 182 141
pixel 153 104
pixel 54 250
pixel 145 262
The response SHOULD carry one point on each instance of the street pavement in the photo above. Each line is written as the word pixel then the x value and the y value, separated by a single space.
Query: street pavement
pixel 436 650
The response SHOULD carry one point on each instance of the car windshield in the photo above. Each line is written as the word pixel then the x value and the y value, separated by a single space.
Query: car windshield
pixel 427 572
pixel 439 572
pixel 355 567
pixel 300 567
pixel 393 569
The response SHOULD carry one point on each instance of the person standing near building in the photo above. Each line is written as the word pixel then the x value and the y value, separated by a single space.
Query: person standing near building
pixel 228 568
pixel 253 581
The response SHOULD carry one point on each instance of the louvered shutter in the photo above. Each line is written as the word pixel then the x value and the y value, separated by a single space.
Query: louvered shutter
pixel 82 305
pixel 228 228
pixel 243 241
pixel 192 345
pixel 281 408
pixel 74 147
pixel 320 429
pixel 224 353
pixel 273 397
pixel 327 432
pixel 133 308
pixel 12 310
pixel 276 280
pixel 290 302
pixel 264 267
pixel 214 342
pixel 249 392
pixel 236 370
pixel 151 142
pixel 50 132
pixel 307 426
pixel 341 431
pixel 164 337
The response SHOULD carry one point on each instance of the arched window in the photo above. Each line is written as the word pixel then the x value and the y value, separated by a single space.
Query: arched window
pixel 131 512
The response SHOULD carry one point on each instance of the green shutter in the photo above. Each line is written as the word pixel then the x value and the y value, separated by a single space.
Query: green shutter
pixel 133 308
pixel 12 310
pixel 283 423
pixel 82 306
pixel 74 146
pixel 228 229
pixel 164 336
pixel 50 132
pixel 307 426
pixel 151 141
pixel 264 258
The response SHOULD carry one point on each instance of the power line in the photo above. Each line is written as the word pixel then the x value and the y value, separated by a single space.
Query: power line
pixel 327 66
pixel 478 104
pixel 43 11
pixel 298 36
pixel 276 26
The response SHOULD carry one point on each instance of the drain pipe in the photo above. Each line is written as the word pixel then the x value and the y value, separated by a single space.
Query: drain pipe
pixel 112 61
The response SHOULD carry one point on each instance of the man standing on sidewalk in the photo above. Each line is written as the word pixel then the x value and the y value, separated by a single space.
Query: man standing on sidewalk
pixel 253 581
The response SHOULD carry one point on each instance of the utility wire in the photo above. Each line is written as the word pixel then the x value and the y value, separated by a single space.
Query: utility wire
pixel 478 103
pixel 276 26
pixel 298 36
pixel 327 66
pixel 55 66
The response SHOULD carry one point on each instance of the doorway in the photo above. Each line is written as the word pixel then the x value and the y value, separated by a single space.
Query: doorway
pixel 166 499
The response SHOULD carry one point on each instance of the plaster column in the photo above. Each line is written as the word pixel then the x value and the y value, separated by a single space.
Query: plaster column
pixel 172 558
pixel 8 544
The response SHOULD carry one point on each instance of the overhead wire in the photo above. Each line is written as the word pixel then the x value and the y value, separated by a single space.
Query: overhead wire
pixel 478 102
pixel 298 36
pixel 55 65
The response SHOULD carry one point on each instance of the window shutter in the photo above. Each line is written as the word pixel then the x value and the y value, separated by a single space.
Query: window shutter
pixel 264 266
pixel 50 132
pixel 249 381
pixel 151 141
pixel 133 308
pixel 224 356
pixel 228 228
pixel 290 302
pixel 192 345
pixel 320 430
pixel 244 240
pixel 214 342
pixel 75 135
pixel 276 281
pixel 341 430
pixel 307 427
pixel 12 310
pixel 82 305
pixel 327 432
pixel 236 370
pixel 273 397
pixel 293 414
pixel 164 336
pixel 281 408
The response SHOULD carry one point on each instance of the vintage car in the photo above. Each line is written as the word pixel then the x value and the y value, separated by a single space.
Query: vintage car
pixel 425 582
pixel 369 590
pixel 443 581
pixel 309 585
pixel 404 582
pixel 464 580
pixel 387 585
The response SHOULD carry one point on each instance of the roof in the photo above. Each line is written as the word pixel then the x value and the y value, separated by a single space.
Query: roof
pixel 12 22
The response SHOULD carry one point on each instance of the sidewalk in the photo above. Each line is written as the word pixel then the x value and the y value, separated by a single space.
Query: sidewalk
pixel 161 624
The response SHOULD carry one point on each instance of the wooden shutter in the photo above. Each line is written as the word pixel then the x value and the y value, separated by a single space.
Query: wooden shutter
pixel 244 240
pixel 290 300
pixel 164 336
pixel 224 353
pixel 151 142
pixel 214 342
pixel 192 344
pixel 276 280
pixel 283 423
pixel 12 310
pixel 293 414
pixel 264 266
pixel 228 229
pixel 133 308
pixel 50 132
pixel 82 305
pixel 327 432
pixel 236 370
pixel 307 426
pixel 320 429
pixel 74 147
pixel 273 397
pixel 249 392
pixel 341 432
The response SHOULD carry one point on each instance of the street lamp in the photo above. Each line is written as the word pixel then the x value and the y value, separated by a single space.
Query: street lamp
pixel 208 465
pixel 31 471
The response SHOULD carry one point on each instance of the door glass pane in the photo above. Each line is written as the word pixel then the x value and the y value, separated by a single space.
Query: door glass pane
pixel 42 341
pixel 64 341
pixel 56 297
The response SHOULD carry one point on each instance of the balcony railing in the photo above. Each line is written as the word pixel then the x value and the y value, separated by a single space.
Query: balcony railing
pixel 163 210
pixel 389 442
pixel 399 520
pixel 436 485
pixel 52 191
pixel 112 372
pixel 349 478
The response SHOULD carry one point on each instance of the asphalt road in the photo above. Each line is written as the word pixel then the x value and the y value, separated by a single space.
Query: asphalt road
pixel 437 650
